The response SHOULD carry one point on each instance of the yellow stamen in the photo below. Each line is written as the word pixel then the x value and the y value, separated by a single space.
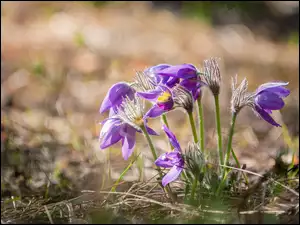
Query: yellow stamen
pixel 164 97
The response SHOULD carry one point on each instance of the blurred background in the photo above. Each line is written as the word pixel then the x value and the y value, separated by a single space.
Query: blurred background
pixel 58 60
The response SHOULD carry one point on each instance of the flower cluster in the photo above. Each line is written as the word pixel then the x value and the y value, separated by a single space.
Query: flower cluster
pixel 169 87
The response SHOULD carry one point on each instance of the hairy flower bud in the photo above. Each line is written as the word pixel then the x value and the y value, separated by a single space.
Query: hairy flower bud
pixel 212 75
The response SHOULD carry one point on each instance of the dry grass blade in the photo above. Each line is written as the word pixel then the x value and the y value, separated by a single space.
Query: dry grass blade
pixel 145 199
pixel 48 214
pixel 259 175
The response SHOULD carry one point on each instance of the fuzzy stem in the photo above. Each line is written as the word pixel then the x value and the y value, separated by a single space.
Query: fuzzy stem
pixel 164 119
pixel 192 122
pixel 152 148
pixel 194 188
pixel 201 125
pixel 229 145
pixel 218 124
pixel 230 135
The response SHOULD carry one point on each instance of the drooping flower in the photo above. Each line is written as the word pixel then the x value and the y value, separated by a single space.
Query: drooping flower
pixel 115 94
pixel 123 124
pixel 268 97
pixel 173 160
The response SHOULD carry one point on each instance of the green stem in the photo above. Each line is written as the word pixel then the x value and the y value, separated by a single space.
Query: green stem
pixel 194 188
pixel 222 182
pixel 164 119
pixel 152 148
pixel 192 122
pixel 229 146
pixel 230 135
pixel 218 124
pixel 201 125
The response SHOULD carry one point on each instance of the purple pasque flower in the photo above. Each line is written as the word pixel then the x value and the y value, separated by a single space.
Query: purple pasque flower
pixel 123 124
pixel 183 71
pixel 150 75
pixel 268 97
pixel 115 94
pixel 152 72
pixel 173 160
pixel 189 76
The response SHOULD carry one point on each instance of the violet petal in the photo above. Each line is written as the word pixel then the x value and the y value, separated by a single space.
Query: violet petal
pixel 150 95
pixel 128 144
pixel 171 175
pixel 266 116
pixel 168 159
pixel 269 100
pixel 269 85
pixel 172 138
pixel 154 111
pixel 115 94
pixel 151 131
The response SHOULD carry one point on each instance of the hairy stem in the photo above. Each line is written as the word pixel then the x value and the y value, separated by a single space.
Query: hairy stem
pixel 230 135
pixel 192 122
pixel 164 119
pixel 201 125
pixel 229 146
pixel 218 124
pixel 194 188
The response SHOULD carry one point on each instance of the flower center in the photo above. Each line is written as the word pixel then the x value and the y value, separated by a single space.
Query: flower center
pixel 139 121
pixel 164 97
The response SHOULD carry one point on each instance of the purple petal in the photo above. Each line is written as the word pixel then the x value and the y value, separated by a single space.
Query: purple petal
pixel 164 79
pixel 151 131
pixel 109 140
pixel 110 133
pixel 280 91
pixel 266 116
pixel 115 94
pixel 112 112
pixel 168 159
pixel 184 71
pixel 190 84
pixel 172 81
pixel 272 85
pixel 269 100
pixel 172 138
pixel 150 95
pixel 171 175
pixel 166 105
pixel 165 99
pixel 157 68
pixel 128 144
pixel 155 111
